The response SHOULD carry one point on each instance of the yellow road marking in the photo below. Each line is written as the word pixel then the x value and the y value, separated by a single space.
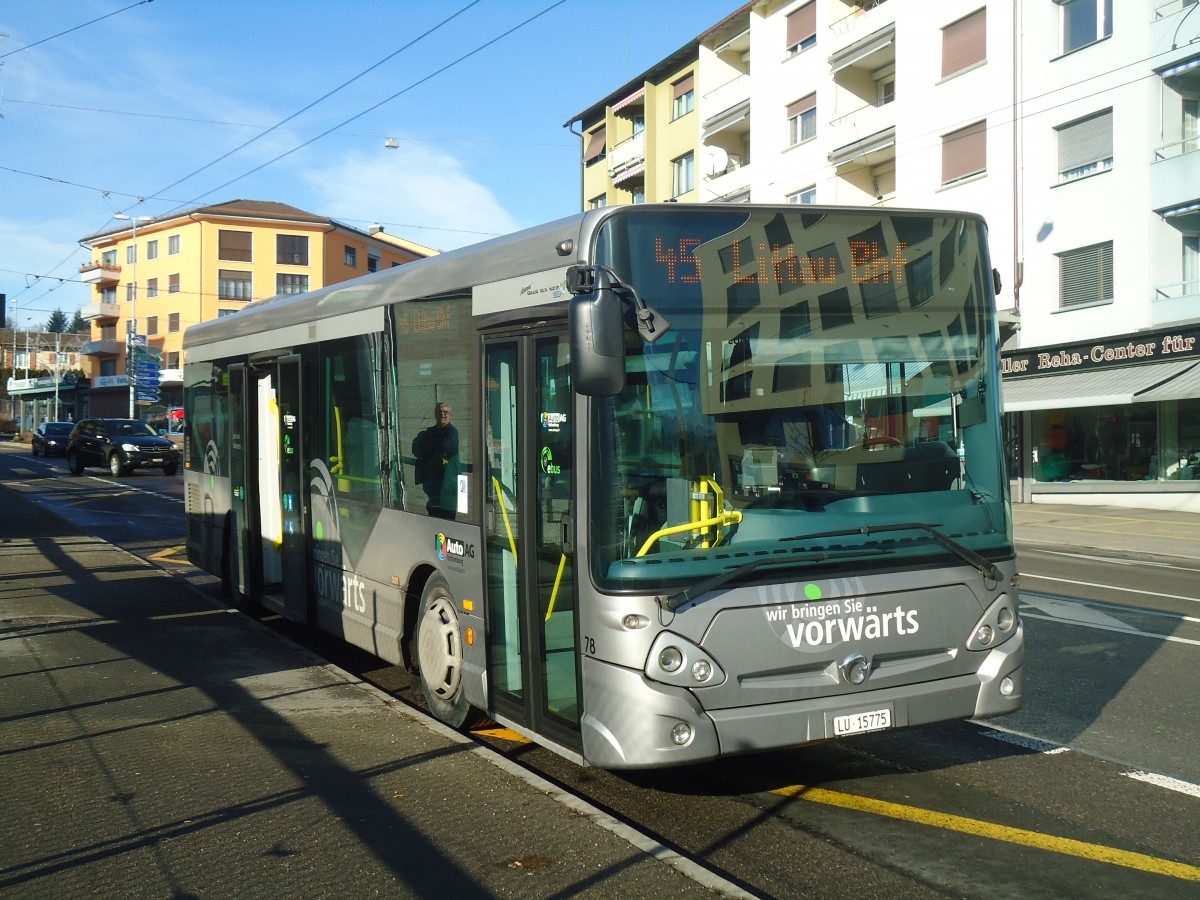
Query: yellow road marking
pixel 169 555
pixel 1065 846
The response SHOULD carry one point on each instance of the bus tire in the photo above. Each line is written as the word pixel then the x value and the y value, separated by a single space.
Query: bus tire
pixel 440 656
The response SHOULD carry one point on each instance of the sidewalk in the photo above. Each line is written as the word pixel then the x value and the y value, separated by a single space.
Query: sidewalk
pixel 154 744
pixel 1121 530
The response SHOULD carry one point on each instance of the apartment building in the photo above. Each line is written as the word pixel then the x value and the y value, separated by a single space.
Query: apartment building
pixel 1071 125
pixel 153 277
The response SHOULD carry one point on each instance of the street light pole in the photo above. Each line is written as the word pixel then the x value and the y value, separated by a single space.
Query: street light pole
pixel 131 330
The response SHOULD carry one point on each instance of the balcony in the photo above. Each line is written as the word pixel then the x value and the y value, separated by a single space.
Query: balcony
pixel 727 106
pixel 864 17
pixel 627 155
pixel 99 311
pixel 726 177
pixel 111 347
pixel 1175 183
pixel 865 137
pixel 1178 302
pixel 99 273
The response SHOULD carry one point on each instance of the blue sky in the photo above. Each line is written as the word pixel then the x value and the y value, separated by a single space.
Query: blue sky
pixel 149 101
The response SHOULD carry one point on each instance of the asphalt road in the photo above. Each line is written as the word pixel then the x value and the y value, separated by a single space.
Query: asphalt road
pixel 1092 789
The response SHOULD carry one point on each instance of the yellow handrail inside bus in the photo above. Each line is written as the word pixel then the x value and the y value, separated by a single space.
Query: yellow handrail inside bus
pixel 562 563
pixel 512 541
pixel 709 516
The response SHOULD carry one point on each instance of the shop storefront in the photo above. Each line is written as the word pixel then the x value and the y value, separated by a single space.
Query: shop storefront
pixel 37 400
pixel 1115 421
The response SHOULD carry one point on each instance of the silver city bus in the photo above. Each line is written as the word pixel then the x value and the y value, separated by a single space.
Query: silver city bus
pixel 650 485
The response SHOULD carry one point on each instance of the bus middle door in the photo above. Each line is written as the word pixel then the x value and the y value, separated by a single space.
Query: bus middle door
pixel 530 574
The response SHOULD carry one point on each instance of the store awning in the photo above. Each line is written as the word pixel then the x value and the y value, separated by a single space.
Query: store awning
pixel 1106 387
pixel 1184 386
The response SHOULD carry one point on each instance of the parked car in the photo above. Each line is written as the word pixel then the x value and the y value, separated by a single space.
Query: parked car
pixel 121 445
pixel 51 438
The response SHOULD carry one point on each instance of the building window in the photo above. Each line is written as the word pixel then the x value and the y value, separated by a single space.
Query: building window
pixel 685 97
pixel 372 261
pixel 964 43
pixel 291 249
pixel 173 323
pixel 802 120
pixel 596 148
pixel 1085 275
pixel 234 246
pixel 885 85
pixel 684 174
pixel 173 245
pixel 151 287
pixel 801 29
pixel 151 249
pixel 173 284
pixel 151 324
pixel 808 195
pixel 233 285
pixel 350 257
pixel 1085 147
pixel 1083 22
pixel 290 284
pixel 131 253
pixel 964 153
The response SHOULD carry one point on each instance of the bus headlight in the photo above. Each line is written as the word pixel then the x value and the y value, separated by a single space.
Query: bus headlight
pixel 996 626
pixel 671 658
pixel 674 660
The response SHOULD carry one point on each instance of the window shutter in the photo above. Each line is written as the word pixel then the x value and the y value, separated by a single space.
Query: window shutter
pixel 801 25
pixel 964 152
pixel 803 105
pixel 964 42
pixel 1085 275
pixel 1084 142
pixel 595 147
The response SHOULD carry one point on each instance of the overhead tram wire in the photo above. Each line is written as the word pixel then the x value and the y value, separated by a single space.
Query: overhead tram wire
pixel 382 102
pixel 320 99
pixel 76 28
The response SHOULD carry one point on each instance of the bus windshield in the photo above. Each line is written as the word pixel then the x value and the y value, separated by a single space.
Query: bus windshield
pixel 825 374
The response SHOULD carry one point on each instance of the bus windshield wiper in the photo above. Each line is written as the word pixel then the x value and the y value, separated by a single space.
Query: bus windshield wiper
pixel 672 602
pixel 985 566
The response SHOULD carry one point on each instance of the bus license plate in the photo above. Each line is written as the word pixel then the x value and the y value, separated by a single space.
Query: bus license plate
pixel 857 723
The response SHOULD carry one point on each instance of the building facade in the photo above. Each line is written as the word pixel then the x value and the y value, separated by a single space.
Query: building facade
pixel 153 277
pixel 1076 141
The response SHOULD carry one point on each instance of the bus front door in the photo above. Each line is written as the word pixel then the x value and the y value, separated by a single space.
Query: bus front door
pixel 532 625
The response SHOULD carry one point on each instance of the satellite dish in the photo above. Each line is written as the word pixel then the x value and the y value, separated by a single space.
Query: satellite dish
pixel 716 160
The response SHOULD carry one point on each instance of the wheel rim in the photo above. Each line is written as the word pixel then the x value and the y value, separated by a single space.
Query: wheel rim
pixel 440 648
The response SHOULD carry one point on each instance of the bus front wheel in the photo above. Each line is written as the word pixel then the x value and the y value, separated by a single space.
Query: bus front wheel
pixel 440 656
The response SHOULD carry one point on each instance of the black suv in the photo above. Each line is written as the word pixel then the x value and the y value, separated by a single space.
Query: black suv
pixel 121 445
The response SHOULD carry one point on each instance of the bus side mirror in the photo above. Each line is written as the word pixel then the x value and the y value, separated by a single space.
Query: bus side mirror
pixel 597 343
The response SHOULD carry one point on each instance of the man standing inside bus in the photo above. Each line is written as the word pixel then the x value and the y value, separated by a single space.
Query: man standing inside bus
pixel 436 452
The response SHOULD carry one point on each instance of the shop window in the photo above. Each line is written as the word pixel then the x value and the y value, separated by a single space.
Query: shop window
pixel 1100 443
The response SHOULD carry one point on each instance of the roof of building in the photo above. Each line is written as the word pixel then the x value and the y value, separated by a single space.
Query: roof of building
pixel 264 209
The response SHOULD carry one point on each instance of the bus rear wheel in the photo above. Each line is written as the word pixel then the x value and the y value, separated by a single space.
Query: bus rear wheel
pixel 440 656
